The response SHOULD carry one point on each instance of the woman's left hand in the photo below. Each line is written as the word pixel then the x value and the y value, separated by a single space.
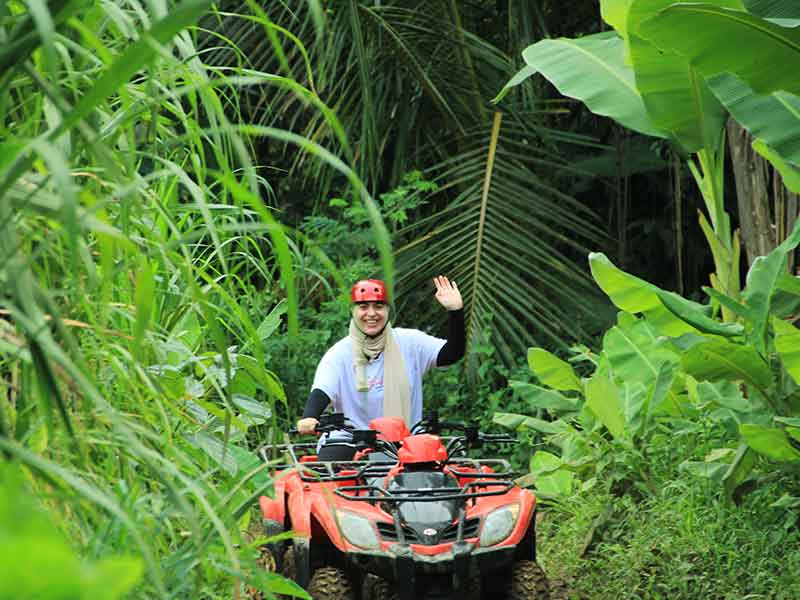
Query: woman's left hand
pixel 447 293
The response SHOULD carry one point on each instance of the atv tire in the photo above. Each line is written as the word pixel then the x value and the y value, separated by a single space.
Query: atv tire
pixel 330 583
pixel 379 589
pixel 527 582
pixel 558 589
pixel 266 561
pixel 288 570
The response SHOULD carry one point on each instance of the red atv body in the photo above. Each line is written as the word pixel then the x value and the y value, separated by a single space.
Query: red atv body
pixel 408 517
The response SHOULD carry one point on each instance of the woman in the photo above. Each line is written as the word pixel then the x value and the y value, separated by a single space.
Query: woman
pixel 377 370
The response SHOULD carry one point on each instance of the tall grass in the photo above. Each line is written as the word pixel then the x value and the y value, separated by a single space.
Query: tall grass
pixel 140 273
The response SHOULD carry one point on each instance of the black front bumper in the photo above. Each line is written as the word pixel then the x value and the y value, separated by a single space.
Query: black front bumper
pixel 449 572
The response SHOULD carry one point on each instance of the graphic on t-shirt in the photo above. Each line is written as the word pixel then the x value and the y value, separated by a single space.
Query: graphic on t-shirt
pixel 375 382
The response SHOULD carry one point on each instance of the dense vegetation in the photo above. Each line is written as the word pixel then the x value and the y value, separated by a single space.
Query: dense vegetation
pixel 187 187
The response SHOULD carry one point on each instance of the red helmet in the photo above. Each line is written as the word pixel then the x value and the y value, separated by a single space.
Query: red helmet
pixel 369 290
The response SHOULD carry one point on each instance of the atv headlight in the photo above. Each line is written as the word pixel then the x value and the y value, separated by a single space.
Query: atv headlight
pixel 499 524
pixel 358 530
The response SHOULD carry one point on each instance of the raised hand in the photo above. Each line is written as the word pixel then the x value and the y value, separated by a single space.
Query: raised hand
pixel 447 293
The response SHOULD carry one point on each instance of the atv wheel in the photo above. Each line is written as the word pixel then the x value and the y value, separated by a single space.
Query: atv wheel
pixel 528 582
pixel 330 583
pixel 288 570
pixel 558 589
pixel 379 589
pixel 266 562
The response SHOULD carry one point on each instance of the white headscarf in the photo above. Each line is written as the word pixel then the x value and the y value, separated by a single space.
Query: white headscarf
pixel 396 388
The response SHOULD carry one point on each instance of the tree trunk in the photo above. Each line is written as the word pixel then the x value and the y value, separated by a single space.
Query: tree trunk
pixel 751 173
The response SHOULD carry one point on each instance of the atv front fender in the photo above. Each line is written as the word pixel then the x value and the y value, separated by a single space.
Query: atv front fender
pixel 271 510
pixel 274 509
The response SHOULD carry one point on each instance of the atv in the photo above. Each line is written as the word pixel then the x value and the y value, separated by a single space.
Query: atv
pixel 410 516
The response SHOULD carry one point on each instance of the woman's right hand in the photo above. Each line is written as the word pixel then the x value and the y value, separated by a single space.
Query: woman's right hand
pixel 307 426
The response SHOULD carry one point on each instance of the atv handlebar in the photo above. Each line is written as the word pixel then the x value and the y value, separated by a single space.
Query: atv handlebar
pixel 472 436
pixel 367 438
pixel 329 422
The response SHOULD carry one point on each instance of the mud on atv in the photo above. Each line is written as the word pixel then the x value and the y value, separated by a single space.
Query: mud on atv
pixel 411 516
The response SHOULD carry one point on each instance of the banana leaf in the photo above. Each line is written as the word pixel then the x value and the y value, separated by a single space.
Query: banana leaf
pixel 677 98
pixel 591 69
pixel 703 34
pixel 773 118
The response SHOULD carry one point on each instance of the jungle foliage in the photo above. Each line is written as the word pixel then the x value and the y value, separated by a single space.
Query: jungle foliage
pixel 187 187
pixel 680 390
pixel 141 274
pixel 411 83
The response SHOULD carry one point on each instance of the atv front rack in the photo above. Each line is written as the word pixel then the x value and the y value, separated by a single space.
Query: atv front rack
pixel 317 470
pixel 495 471
pixel 374 493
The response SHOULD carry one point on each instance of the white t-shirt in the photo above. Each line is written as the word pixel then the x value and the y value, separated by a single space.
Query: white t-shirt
pixel 336 376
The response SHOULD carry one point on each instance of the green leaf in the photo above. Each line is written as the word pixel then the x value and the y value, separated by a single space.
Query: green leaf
pixel 717 454
pixel 635 295
pixel 761 284
pixel 787 344
pixel 719 359
pixel 676 97
pixel 773 118
pixel 790 174
pixel 738 309
pixel 215 449
pixel 739 469
pixel 276 584
pixel 656 394
pixel 794 433
pixel 626 291
pixel 632 398
pixel 789 283
pixel 702 34
pixel 144 294
pixel 549 478
pixel 592 69
pixel 136 55
pixel 575 449
pixel 543 463
pixel 272 321
pixel 603 399
pixel 615 13
pixel 696 315
pixel 112 578
pixel 521 422
pixel 635 352
pixel 772 443
pixel 523 74
pixel 786 501
pixel 538 397
pixel 552 371
pixel 710 470
pixel 279 239
pixel 773 9
pixel 251 407
pixel 723 393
